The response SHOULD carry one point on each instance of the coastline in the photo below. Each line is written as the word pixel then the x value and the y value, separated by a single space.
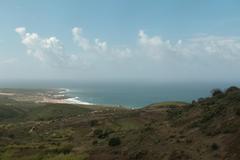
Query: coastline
pixel 52 96
pixel 57 95
pixel 64 101
pixel 60 96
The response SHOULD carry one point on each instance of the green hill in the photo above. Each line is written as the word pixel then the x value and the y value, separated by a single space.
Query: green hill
pixel 208 128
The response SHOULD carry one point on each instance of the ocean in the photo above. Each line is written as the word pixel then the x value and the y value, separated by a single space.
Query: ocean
pixel 128 94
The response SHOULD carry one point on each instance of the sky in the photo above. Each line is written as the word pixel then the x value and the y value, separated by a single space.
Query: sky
pixel 149 40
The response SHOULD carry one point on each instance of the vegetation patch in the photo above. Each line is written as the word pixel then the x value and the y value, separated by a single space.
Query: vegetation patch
pixel 174 113
pixel 214 146
pixel 103 133
pixel 114 141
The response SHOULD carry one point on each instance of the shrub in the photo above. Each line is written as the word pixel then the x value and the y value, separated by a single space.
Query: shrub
pixel 94 142
pixel 238 111
pixel 102 133
pixel 174 113
pixel 68 157
pixel 214 146
pixel 64 149
pixel 115 141
pixel 12 136
pixel 230 128
pixel 200 100
pixel 93 123
pixel 194 102
pixel 179 155
pixel 98 132
pixel 138 154
pixel 216 92
pixel 232 89
pixel 67 148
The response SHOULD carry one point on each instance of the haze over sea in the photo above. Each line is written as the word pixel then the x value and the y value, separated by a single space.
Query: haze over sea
pixel 129 94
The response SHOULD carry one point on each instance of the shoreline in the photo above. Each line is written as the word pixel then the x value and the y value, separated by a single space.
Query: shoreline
pixel 60 96
pixel 55 95
pixel 52 96
pixel 63 101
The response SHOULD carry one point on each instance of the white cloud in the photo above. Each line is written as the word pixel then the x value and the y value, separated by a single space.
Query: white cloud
pixel 49 50
pixel 85 44
pixel 154 47
pixel 153 54
pixel 202 48
pixel 145 40
pixel 81 41
pixel 21 30
pixel 226 48
pixel 99 48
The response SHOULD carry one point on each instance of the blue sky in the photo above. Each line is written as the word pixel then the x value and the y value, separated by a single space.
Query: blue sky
pixel 181 40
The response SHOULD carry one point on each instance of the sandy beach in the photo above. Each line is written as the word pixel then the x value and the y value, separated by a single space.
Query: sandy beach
pixel 63 101
pixel 51 100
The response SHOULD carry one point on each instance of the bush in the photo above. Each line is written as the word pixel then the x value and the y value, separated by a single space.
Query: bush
pixel 238 111
pixel 174 113
pixel 67 157
pixel 138 154
pixel 194 102
pixel 97 132
pixel 232 89
pixel 102 133
pixel 93 123
pixel 179 155
pixel 214 146
pixel 94 142
pixel 230 128
pixel 64 149
pixel 200 100
pixel 12 136
pixel 216 92
pixel 115 141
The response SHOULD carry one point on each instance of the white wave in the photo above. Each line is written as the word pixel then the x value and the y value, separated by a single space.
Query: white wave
pixel 76 100
pixel 63 90
pixel 58 95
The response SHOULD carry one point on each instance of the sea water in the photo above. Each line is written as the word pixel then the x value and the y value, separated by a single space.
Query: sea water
pixel 140 94
pixel 128 94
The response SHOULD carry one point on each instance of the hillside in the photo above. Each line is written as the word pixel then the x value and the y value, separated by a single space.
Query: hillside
pixel 208 128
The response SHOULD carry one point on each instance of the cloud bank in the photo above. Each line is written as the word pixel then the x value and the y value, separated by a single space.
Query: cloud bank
pixel 152 54
pixel 202 47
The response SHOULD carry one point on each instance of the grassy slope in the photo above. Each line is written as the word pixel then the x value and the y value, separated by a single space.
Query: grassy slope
pixel 206 129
